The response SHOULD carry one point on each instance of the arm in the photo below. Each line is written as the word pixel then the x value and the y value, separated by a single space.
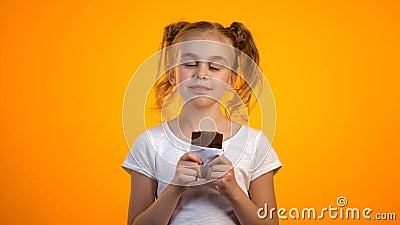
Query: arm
pixel 261 191
pixel 143 192
pixel 144 209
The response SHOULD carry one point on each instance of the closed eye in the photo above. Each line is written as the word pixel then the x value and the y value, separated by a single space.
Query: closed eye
pixel 191 64
pixel 215 67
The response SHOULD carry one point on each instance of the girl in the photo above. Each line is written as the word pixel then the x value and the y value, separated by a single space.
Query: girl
pixel 171 184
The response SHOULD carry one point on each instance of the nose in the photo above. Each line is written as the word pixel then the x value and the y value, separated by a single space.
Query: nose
pixel 202 77
pixel 202 72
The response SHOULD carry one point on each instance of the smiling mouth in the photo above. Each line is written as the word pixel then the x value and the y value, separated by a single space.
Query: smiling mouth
pixel 200 88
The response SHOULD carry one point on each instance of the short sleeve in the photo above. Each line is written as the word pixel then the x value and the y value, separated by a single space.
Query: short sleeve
pixel 264 159
pixel 141 158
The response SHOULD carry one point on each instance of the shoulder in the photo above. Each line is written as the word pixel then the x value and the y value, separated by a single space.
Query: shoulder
pixel 150 137
pixel 256 141
pixel 253 135
pixel 264 158
pixel 151 133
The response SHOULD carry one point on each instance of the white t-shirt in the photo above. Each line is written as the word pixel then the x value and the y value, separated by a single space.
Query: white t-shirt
pixel 157 151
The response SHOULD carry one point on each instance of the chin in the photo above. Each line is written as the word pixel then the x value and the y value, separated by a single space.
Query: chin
pixel 202 101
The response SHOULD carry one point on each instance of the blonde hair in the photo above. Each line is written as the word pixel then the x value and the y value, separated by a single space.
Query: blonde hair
pixel 237 35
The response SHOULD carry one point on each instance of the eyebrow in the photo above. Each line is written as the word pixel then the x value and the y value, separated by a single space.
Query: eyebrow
pixel 195 57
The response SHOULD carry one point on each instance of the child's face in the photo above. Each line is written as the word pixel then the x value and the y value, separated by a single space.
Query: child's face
pixel 203 73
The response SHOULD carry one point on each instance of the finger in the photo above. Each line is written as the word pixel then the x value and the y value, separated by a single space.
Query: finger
pixel 188 171
pixel 216 175
pixel 220 160
pixel 194 171
pixel 188 163
pixel 185 179
pixel 190 156
pixel 212 158
pixel 214 161
pixel 220 168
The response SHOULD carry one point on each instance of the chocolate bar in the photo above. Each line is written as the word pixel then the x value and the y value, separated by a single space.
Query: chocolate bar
pixel 208 139
pixel 206 144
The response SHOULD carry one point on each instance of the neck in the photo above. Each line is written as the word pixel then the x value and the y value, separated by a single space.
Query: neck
pixel 200 118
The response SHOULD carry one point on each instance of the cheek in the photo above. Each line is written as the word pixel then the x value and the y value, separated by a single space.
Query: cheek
pixel 224 77
pixel 183 74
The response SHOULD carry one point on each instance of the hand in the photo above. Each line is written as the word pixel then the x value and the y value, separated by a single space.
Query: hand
pixel 187 169
pixel 221 171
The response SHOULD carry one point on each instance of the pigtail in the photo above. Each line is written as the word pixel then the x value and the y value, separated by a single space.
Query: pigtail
pixel 163 86
pixel 243 40
pixel 170 33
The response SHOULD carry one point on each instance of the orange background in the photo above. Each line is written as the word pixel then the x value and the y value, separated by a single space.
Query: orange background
pixel 333 67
